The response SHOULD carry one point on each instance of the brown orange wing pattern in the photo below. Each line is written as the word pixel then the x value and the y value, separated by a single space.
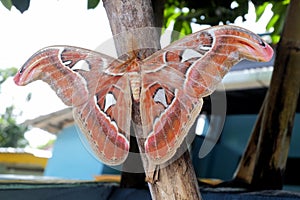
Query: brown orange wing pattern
pixel 175 79
pixel 100 96
pixel 169 85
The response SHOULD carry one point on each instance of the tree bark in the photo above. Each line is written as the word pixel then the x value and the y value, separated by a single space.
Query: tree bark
pixel 245 169
pixel 264 167
pixel 178 179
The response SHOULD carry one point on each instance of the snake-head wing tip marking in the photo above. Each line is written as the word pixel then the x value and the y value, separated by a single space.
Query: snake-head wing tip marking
pixel 242 41
pixel 17 79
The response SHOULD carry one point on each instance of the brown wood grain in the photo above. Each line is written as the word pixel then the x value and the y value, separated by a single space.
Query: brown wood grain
pixel 178 179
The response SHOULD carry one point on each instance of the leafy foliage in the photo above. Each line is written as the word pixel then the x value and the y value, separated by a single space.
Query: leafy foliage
pixel 184 12
pixel 5 73
pixel 211 12
pixel 11 134
pixel 7 4
pixel 92 4
pixel 214 12
pixel 22 6
pixel 276 23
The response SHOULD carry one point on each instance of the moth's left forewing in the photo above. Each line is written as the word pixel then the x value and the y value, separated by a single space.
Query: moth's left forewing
pixel 104 116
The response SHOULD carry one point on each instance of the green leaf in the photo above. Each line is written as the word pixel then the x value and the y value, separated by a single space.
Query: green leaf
pixel 285 2
pixel 275 38
pixel 22 6
pixel 170 15
pixel 278 19
pixel 6 73
pixel 11 134
pixel 168 12
pixel 7 4
pixel 272 22
pixel 176 30
pixel 260 10
pixel 181 28
pixel 186 28
pixel 93 4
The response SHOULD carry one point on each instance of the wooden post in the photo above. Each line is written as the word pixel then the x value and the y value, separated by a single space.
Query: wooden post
pixel 245 169
pixel 178 179
pixel 264 167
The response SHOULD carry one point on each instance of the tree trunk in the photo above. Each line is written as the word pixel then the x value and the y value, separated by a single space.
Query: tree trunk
pixel 245 169
pixel 177 180
pixel 264 167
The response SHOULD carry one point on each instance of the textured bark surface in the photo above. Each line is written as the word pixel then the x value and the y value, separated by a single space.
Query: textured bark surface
pixel 245 169
pixel 263 164
pixel 127 16
pixel 177 180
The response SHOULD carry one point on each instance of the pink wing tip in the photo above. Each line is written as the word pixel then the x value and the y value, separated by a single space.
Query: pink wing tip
pixel 269 52
pixel 17 79
pixel 122 142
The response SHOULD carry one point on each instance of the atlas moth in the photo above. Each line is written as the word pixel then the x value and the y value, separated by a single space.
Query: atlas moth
pixel 168 85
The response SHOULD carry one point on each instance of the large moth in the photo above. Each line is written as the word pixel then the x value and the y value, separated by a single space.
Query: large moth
pixel 169 87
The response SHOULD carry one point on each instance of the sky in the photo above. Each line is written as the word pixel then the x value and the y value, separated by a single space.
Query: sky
pixel 54 22
pixel 45 23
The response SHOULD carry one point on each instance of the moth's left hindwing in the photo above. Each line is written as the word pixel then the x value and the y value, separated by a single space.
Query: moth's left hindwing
pixel 105 117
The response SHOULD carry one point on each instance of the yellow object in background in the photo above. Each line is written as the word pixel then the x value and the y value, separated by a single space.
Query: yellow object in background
pixel 19 161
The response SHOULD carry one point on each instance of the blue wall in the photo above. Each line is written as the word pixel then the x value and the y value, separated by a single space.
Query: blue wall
pixel 222 161
pixel 70 159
